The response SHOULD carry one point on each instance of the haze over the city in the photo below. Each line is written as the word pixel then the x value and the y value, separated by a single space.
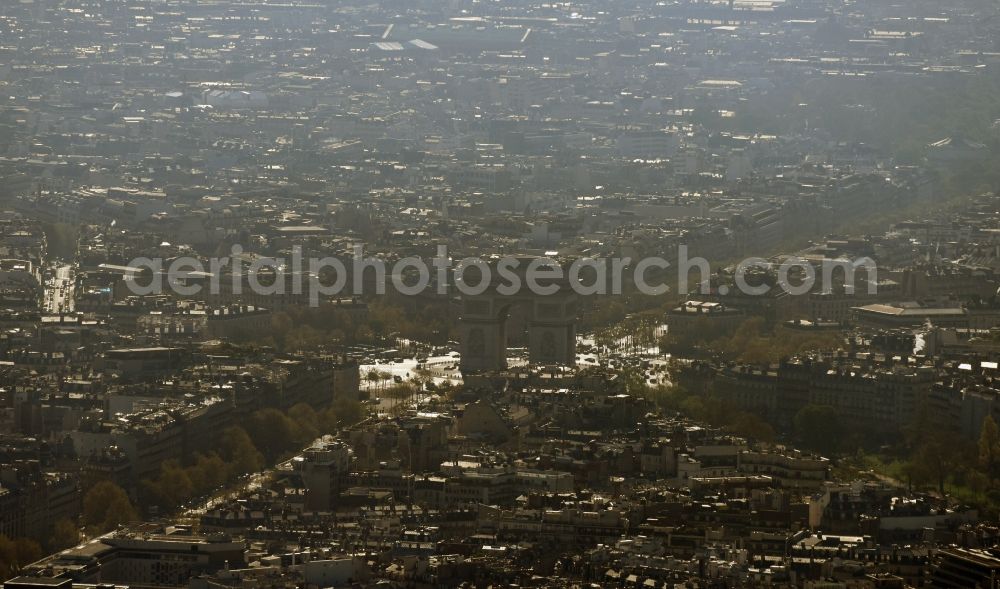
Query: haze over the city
pixel 479 293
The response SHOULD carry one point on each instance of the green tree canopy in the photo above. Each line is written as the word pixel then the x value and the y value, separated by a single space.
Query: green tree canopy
pixel 16 553
pixel 208 472
pixel 65 534
pixel 239 450
pixel 273 432
pixel 820 428
pixel 307 423
pixel 106 506
pixel 989 446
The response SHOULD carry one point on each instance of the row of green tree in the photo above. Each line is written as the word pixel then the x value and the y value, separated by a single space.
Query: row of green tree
pixel 754 341
pixel 819 428
pixel 935 456
pixel 311 328
pixel 712 410
pixel 268 435
pixel 16 553
pixel 932 456
pixel 928 455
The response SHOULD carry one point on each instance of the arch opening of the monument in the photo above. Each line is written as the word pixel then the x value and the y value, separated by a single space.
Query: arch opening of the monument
pixel 550 328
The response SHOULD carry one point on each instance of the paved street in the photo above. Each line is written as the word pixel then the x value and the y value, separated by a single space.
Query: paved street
pixel 59 290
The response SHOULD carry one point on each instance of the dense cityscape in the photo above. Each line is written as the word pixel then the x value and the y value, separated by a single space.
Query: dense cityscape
pixel 499 293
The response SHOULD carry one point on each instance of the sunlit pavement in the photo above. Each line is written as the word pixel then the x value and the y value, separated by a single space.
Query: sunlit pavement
pixel 59 290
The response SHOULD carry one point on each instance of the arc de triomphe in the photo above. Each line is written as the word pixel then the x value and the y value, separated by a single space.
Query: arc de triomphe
pixel 551 327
